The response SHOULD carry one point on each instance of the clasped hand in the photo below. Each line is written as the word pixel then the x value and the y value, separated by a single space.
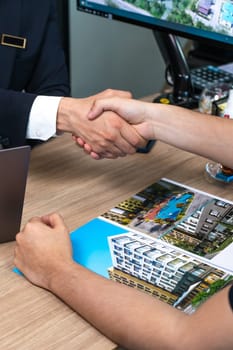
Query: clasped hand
pixel 108 136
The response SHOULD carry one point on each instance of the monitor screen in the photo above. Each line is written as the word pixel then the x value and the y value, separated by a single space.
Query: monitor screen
pixel 210 21
pixel 200 19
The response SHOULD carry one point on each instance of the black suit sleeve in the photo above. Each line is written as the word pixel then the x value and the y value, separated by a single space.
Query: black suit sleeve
pixel 38 70
pixel 14 117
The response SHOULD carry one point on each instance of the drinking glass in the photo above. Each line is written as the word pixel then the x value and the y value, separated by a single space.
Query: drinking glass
pixel 219 172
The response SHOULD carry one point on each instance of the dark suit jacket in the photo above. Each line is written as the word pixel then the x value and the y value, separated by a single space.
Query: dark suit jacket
pixel 39 69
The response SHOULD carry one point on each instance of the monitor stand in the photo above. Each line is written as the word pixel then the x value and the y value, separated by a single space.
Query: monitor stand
pixel 177 66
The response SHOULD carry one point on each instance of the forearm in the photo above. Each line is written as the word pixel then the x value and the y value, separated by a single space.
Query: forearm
pixel 128 317
pixel 205 135
pixel 138 321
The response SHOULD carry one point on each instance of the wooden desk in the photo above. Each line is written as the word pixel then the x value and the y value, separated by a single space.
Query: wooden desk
pixel 63 179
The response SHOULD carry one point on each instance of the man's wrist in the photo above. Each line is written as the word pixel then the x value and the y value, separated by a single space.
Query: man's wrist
pixel 64 115
pixel 56 278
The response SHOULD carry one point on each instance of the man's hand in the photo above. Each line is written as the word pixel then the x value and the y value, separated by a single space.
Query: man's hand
pixel 41 246
pixel 136 113
pixel 109 136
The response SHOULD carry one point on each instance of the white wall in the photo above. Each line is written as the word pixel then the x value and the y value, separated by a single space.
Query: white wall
pixel 111 54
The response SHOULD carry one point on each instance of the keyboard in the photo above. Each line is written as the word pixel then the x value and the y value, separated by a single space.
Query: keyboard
pixel 203 76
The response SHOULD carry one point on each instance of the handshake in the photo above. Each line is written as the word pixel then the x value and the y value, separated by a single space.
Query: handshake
pixel 107 125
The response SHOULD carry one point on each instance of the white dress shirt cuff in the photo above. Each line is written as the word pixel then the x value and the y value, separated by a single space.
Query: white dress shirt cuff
pixel 43 118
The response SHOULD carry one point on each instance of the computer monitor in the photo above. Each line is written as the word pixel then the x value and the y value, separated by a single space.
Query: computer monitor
pixel 203 20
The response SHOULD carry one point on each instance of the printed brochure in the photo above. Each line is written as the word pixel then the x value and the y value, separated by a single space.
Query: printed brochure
pixel 169 240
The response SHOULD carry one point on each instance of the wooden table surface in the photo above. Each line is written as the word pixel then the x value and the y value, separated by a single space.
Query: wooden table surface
pixel 62 178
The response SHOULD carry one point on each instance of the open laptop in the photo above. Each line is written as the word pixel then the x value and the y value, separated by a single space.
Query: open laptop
pixel 14 164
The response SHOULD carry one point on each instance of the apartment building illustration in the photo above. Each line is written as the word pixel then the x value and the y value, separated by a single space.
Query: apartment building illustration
pixel 159 269
pixel 205 230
